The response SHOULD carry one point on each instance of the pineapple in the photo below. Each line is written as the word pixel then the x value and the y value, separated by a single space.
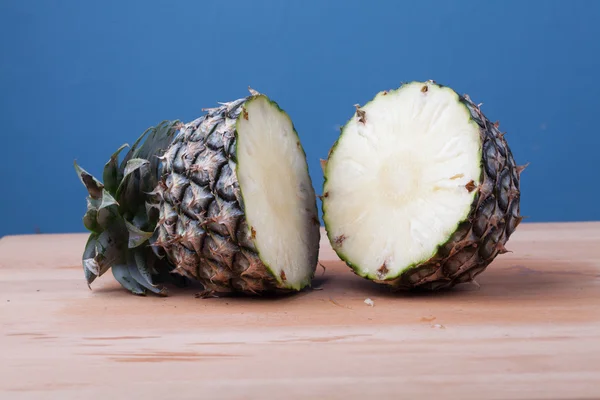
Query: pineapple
pixel 225 200
pixel 421 190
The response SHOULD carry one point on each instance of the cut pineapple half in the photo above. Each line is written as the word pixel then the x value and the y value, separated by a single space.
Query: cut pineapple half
pixel 279 199
pixel 402 184
pixel 225 200
pixel 396 183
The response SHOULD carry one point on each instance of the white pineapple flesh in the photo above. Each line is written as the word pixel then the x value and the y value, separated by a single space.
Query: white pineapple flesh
pixel 397 180
pixel 278 195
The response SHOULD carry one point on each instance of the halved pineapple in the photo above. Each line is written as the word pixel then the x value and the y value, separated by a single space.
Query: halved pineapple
pixel 226 200
pixel 421 189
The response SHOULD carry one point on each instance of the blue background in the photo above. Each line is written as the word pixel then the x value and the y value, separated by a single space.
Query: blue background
pixel 79 78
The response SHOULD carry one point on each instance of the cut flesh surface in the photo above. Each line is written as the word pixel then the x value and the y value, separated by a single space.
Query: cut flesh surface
pixel 279 199
pixel 400 179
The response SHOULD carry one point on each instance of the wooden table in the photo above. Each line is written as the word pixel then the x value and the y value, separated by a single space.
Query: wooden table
pixel 530 331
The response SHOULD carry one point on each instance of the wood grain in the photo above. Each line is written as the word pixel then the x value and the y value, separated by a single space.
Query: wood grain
pixel 530 331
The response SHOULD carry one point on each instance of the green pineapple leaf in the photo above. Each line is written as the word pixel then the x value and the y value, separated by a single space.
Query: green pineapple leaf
pixel 123 276
pixel 134 164
pixel 110 175
pixel 93 185
pixel 90 220
pixel 140 272
pixel 136 235
pixel 89 265
pixel 107 200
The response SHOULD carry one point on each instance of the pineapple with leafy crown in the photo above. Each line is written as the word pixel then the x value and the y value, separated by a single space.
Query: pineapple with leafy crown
pixel 225 200
pixel 421 190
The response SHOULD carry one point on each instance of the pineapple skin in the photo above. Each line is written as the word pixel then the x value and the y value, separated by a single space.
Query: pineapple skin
pixel 479 238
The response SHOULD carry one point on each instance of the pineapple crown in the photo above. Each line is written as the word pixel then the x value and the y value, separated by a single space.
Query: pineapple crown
pixel 119 217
